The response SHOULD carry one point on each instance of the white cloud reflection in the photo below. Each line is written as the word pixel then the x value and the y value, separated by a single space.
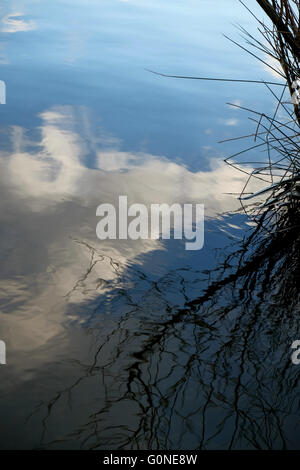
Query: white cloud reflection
pixel 271 66
pixel 59 168
pixel 51 196
pixel 14 23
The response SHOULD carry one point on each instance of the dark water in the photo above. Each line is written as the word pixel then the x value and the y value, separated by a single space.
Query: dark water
pixel 123 344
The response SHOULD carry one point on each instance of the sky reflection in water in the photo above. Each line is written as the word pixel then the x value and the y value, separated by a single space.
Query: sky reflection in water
pixel 84 123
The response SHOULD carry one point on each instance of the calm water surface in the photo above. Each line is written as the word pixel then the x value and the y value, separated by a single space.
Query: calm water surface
pixel 133 344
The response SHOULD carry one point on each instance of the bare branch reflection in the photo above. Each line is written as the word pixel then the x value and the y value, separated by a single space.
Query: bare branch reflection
pixel 194 360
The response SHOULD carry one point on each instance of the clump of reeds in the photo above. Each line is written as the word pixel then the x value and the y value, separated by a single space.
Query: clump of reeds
pixel 277 134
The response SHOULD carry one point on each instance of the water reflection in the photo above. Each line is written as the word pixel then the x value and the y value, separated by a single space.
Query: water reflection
pixel 134 344
pixel 194 359
pixel 123 344
pixel 52 196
